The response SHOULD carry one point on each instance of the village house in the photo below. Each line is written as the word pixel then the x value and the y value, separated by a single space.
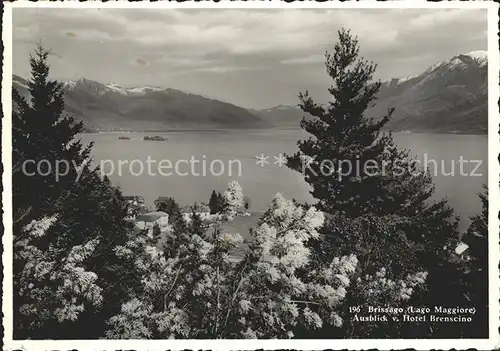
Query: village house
pixel 148 220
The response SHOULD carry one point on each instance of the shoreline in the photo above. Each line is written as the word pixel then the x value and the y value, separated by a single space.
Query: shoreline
pixel 218 130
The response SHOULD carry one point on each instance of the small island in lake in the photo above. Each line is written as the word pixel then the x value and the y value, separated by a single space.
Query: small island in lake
pixel 154 138
pixel 123 138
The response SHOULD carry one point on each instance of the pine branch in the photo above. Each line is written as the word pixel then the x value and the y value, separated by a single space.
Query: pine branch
pixel 218 303
pixel 170 290
pixel 234 296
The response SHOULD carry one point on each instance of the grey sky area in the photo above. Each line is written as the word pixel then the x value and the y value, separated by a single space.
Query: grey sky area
pixel 252 58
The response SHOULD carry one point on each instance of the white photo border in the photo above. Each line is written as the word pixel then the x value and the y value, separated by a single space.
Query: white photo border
pixel 425 344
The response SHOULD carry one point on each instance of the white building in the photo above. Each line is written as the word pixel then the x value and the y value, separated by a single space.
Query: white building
pixel 148 220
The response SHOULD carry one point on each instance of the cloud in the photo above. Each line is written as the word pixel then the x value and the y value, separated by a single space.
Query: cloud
pixel 232 54
pixel 304 60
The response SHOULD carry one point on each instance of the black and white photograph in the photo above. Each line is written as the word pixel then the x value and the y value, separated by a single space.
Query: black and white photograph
pixel 305 177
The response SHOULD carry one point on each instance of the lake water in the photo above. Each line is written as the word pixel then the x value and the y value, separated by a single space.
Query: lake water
pixel 236 152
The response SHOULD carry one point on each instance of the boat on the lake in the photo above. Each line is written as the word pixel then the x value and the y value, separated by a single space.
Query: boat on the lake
pixel 123 138
pixel 154 138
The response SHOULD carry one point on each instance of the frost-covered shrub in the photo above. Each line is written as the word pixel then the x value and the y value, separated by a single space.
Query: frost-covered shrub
pixel 51 283
pixel 201 291
pixel 377 287
pixel 233 200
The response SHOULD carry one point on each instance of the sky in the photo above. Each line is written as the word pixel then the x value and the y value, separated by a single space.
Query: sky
pixel 251 58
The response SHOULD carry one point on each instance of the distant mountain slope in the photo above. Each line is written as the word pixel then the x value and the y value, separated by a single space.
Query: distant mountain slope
pixel 449 97
pixel 111 107
pixel 282 116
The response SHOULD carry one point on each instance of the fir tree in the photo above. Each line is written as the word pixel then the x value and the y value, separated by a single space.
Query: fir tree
pixel 42 135
pixel 213 203
pixel 220 202
pixel 196 225
pixel 87 208
pixel 479 228
pixel 476 269
pixel 360 178
pixel 352 166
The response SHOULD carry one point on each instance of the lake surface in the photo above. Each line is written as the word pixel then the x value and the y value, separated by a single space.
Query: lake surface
pixel 195 163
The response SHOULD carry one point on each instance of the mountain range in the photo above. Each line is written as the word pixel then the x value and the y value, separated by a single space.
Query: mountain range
pixel 110 107
pixel 448 97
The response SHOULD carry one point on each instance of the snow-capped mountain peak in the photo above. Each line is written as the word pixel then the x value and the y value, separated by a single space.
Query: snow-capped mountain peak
pixel 70 84
pixel 145 89
pixel 116 88
pixel 450 95
pixel 462 61
pixel 455 62
pixel 401 80
pixel 87 84
pixel 481 56
pixel 113 87
pixel 478 54
pixel 478 58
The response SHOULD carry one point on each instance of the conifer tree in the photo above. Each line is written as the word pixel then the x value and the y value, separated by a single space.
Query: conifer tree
pixel 220 202
pixel 213 203
pixel 464 279
pixel 476 270
pixel 356 169
pixel 479 228
pixel 42 136
pixel 87 207
pixel 376 198
pixel 196 224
